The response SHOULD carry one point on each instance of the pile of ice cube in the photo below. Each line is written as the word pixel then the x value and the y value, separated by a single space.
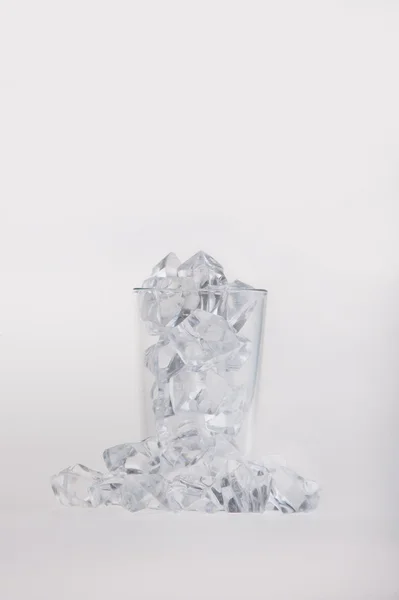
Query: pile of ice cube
pixel 201 396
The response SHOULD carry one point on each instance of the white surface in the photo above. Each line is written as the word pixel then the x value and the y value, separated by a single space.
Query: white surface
pixel 105 554
pixel 266 134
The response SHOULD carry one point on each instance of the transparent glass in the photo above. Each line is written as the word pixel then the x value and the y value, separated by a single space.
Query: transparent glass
pixel 199 359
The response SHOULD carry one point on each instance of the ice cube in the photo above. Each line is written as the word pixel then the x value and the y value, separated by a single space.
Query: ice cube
pixel 162 360
pixel 185 444
pixel 233 361
pixel 72 486
pixel 239 304
pixel 203 339
pixel 143 491
pixel 198 391
pixel 292 493
pixel 203 269
pixel 141 457
pixel 242 486
pixel 186 492
pixel 161 404
pixel 226 422
pixel 167 267
pixel 161 303
pixel 107 491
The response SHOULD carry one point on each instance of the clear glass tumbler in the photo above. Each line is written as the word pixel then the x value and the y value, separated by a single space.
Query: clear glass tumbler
pixel 199 359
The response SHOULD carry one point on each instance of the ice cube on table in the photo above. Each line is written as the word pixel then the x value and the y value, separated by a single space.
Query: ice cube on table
pixel 72 486
pixel 184 445
pixel 143 491
pixel 185 492
pixel 107 491
pixel 116 456
pixel 197 471
pixel 242 486
pixel 216 456
pixel 292 493
pixel 139 457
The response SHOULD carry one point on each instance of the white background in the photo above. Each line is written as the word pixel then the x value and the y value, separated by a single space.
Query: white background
pixel 267 134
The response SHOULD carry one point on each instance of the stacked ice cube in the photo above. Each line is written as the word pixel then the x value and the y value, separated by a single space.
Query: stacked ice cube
pixel 200 397
pixel 197 318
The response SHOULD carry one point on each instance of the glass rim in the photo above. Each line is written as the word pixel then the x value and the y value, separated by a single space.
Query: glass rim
pixel 227 288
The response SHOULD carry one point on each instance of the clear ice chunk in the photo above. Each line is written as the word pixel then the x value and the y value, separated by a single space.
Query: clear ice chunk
pixel 240 285
pixel 161 403
pixel 230 414
pixel 141 457
pixel 191 300
pixel 107 491
pixel 234 360
pixel 197 471
pixel 226 423
pixel 186 492
pixel 239 304
pixel 214 459
pixel 170 304
pixel 216 391
pixel 139 492
pixel 203 269
pixel 72 486
pixel 167 267
pixel 242 486
pixel 198 391
pixel 203 339
pixel 162 303
pixel 213 299
pixel 162 360
pixel 292 493
pixel 166 282
pixel 153 282
pixel 166 428
pixel 116 456
pixel 185 389
pixel 184 445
